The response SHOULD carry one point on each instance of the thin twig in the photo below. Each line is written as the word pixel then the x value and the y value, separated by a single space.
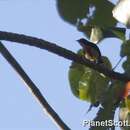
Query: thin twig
pixel 117 63
pixel 32 41
pixel 34 89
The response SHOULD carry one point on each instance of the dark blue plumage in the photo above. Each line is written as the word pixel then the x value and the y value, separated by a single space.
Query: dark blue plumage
pixel 91 50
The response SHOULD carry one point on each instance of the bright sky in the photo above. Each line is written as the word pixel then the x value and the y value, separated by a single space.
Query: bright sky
pixel 18 109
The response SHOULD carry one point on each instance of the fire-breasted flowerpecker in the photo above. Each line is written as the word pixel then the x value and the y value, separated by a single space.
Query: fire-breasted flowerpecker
pixel 91 51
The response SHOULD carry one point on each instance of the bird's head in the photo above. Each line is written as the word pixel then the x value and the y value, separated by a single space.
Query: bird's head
pixel 81 40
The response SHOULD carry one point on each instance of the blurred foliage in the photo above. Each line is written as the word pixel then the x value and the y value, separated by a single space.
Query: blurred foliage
pixel 86 14
pixel 94 19
pixel 88 84
pixel 72 10
pixel 110 102
pixel 125 49
pixel 124 113
pixel 92 86
pixel 125 52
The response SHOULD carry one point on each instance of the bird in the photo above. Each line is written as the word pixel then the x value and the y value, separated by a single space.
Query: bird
pixel 91 51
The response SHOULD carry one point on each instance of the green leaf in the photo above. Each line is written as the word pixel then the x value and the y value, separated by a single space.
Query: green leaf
pixel 75 73
pixel 87 84
pixel 109 104
pixel 126 66
pixel 72 10
pixel 118 33
pixel 127 102
pixel 102 16
pixel 125 49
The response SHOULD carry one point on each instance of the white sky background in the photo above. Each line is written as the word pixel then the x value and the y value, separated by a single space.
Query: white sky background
pixel 18 109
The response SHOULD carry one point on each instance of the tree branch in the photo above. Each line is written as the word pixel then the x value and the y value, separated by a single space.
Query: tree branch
pixel 34 89
pixel 52 47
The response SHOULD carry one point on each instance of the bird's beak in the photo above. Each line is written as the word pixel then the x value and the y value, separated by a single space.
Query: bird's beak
pixel 77 40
